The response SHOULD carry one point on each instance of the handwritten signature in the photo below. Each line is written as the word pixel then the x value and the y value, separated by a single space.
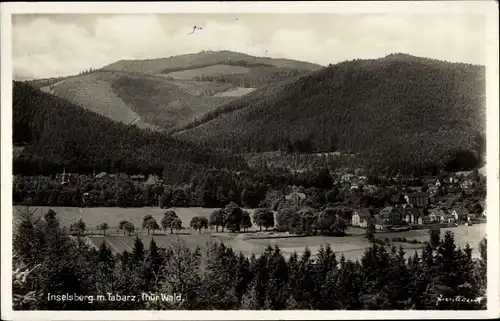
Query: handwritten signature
pixel 459 298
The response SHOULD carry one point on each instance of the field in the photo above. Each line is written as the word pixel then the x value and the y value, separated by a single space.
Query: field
pixel 210 71
pixel 253 242
pixel 237 92
pixel 95 94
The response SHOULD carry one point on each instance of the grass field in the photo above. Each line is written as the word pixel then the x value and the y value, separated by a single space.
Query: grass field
pixel 254 242
pixel 210 71
pixel 95 94
pixel 237 92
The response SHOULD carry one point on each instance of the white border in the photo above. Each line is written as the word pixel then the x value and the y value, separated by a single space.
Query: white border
pixel 489 8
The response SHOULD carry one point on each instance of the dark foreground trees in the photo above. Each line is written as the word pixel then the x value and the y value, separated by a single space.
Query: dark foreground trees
pixel 48 261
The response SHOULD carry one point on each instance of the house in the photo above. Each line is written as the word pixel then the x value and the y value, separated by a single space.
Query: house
pixel 370 188
pixel 411 215
pixel 418 199
pixel 471 217
pixel 435 214
pixel 296 197
pixel 67 178
pixel 447 218
pixel 360 217
pixel 467 184
pixel 422 220
pixel 380 224
pixel 139 177
pixel 460 214
pixel 432 190
pixel 152 180
pixel 391 215
pixel 102 175
pixel 347 178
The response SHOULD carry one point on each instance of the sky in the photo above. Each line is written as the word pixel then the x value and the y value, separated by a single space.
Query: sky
pixel 54 45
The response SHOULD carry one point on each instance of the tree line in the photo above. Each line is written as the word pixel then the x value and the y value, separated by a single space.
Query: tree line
pixel 217 278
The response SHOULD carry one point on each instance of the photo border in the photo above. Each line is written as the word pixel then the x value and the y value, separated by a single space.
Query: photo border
pixel 488 8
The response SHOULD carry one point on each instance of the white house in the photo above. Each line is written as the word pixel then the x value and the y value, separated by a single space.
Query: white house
pixel 460 214
pixel 360 217
pixel 471 217
pixel 380 224
pixel 447 218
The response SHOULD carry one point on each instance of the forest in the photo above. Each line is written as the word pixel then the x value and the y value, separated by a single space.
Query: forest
pixel 217 278
pixel 399 112
pixel 55 134
pixel 257 77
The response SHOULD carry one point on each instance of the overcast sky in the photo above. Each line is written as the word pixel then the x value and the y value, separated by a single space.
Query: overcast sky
pixel 61 45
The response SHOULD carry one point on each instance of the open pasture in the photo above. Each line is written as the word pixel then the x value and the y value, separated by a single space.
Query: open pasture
pixel 209 71
pixel 352 246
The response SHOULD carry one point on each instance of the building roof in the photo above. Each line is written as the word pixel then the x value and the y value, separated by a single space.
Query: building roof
pixel 436 211
pixel 387 210
pixel 152 180
pixel 101 175
pixel 363 213
pixel 297 194
pixel 417 194
pixel 461 211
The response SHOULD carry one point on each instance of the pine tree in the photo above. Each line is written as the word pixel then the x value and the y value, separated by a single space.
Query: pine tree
pixel 138 251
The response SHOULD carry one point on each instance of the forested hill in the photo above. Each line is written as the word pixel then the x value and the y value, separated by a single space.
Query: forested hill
pixel 399 112
pixel 56 134
pixel 203 59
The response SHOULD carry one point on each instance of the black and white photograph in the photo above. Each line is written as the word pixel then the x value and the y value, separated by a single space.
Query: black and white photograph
pixel 255 159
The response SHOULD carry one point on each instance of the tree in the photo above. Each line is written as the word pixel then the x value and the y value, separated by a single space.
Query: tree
pixel 233 215
pixel 288 219
pixel 151 224
pixel 435 237
pixel 129 227
pixel 103 227
pixel 145 219
pixel 246 221
pixel 370 230
pixel 199 222
pixel 308 218
pixel 327 218
pixel 176 224
pixel 138 253
pixel 122 224
pixel 218 218
pixel 263 217
pixel 167 220
pixel 78 227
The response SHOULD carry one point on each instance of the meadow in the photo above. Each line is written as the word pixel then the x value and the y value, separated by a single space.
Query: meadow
pixel 253 242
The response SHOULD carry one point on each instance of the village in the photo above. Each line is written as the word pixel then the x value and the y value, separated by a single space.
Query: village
pixel 441 202
pixel 411 203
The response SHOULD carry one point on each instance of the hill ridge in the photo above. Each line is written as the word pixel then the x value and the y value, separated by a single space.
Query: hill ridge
pixel 399 111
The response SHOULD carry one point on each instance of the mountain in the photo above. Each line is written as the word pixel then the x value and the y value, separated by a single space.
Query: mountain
pixel 50 133
pixel 400 112
pixel 204 59
pixel 169 93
